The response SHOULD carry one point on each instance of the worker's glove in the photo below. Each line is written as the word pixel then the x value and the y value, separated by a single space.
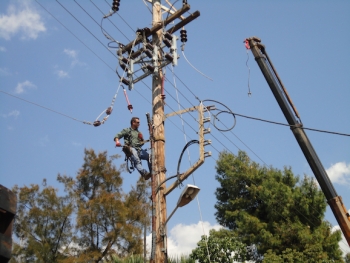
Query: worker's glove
pixel 118 144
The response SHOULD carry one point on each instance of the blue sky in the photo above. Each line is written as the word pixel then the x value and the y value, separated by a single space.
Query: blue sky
pixel 62 63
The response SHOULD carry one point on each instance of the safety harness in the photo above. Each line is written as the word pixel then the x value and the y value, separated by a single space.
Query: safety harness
pixel 127 150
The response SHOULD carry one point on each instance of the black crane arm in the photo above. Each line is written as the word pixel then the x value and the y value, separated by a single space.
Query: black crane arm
pixel 293 119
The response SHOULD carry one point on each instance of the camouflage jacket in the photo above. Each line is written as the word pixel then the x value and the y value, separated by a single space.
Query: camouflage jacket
pixel 132 138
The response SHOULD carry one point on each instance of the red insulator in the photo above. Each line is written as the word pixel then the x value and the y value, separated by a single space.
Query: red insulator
pixel 109 110
pixel 163 96
pixel 97 123
pixel 130 108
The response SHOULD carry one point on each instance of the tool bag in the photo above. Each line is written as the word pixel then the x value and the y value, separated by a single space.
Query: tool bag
pixel 127 150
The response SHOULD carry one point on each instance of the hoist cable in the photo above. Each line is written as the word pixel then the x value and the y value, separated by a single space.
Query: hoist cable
pixel 246 63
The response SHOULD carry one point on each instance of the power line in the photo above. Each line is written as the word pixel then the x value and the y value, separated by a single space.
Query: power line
pixel 86 28
pixel 140 94
pixel 256 183
pixel 292 126
pixel 75 36
pixel 110 21
pixel 46 108
pixel 296 210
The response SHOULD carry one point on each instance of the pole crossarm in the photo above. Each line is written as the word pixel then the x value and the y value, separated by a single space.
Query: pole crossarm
pixel 202 156
pixel 184 22
pixel 181 112
pixel 157 27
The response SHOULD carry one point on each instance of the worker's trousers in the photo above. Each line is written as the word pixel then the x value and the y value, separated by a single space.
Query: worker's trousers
pixel 136 158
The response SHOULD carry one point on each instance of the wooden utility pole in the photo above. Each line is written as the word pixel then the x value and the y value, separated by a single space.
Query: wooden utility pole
pixel 158 166
pixel 156 126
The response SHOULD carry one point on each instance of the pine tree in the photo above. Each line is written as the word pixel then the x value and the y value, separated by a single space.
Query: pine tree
pixel 278 216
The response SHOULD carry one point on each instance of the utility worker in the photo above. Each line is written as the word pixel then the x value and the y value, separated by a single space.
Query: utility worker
pixel 134 140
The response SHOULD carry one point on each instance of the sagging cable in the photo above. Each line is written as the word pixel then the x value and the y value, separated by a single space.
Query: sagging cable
pixel 183 53
pixel 179 162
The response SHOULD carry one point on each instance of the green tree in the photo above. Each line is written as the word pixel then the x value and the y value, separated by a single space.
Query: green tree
pixel 273 213
pixel 95 219
pixel 221 246
pixel 42 224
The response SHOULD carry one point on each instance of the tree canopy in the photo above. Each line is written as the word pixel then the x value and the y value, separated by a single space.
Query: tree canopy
pixel 94 218
pixel 274 213
pixel 221 247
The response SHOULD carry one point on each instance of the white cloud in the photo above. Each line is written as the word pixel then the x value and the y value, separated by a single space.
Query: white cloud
pixel 13 113
pixel 22 19
pixel 2 49
pixel 73 54
pixel 182 239
pixel 339 173
pixel 343 244
pixel 62 74
pixel 22 87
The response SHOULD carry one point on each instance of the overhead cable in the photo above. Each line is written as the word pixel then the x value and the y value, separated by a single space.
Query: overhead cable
pixel 75 36
pixel 292 126
pixel 46 108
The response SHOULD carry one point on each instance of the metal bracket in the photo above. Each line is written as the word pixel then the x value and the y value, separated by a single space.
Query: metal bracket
pixel 202 142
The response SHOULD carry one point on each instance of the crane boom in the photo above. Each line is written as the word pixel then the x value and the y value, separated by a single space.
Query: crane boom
pixel 293 119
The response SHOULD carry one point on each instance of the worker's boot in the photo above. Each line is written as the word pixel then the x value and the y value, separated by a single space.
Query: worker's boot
pixel 146 176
